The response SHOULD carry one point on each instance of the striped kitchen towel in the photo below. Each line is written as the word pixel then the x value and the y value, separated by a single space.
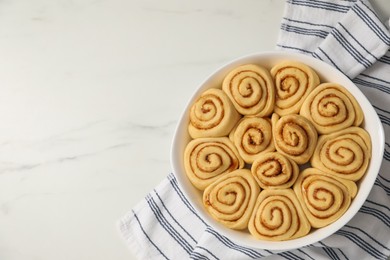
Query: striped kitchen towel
pixel 351 37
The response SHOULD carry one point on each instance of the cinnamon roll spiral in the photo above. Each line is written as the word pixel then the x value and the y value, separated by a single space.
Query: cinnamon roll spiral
pixel 212 115
pixel 231 198
pixel 324 198
pixel 274 171
pixel 206 159
pixel 278 216
pixel 251 89
pixel 293 83
pixel 345 154
pixel 252 136
pixel 294 137
pixel 331 107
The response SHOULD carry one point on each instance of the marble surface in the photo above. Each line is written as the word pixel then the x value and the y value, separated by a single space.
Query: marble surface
pixel 91 94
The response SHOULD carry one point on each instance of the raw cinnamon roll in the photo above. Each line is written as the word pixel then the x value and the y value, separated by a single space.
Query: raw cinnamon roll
pixel 345 154
pixel 278 216
pixel 293 83
pixel 231 198
pixel 251 89
pixel 252 136
pixel 274 171
pixel 324 198
pixel 294 137
pixel 212 115
pixel 205 159
pixel 331 107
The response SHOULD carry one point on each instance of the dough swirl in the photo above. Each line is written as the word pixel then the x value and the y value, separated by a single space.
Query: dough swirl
pixel 345 154
pixel 251 89
pixel 212 115
pixel 293 83
pixel 278 216
pixel 274 171
pixel 324 198
pixel 231 198
pixel 331 107
pixel 205 159
pixel 294 137
pixel 252 136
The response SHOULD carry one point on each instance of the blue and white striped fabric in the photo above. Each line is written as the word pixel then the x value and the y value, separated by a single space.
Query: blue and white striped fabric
pixel 349 36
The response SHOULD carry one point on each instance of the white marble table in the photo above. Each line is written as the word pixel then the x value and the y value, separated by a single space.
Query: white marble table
pixel 91 94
